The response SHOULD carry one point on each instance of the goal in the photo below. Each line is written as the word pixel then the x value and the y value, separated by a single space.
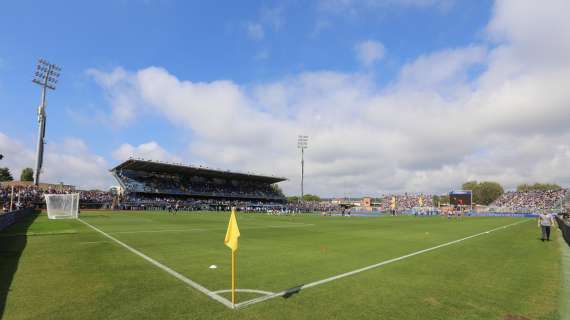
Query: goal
pixel 62 206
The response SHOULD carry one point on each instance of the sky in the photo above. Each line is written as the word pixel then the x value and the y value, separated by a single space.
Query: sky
pixel 395 95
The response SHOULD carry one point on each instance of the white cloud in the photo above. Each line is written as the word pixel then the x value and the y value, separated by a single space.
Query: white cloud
pixel 120 93
pixel 70 162
pixel 148 151
pixel 442 67
pixel 255 31
pixel 441 122
pixel 369 51
pixel 16 155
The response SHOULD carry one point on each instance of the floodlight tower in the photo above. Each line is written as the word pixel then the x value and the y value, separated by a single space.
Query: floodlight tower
pixel 302 143
pixel 46 76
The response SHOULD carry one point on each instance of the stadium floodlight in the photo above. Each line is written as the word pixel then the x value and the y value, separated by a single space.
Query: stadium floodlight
pixel 46 75
pixel 302 143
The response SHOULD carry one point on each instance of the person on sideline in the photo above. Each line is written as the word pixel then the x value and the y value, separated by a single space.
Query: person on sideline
pixel 545 222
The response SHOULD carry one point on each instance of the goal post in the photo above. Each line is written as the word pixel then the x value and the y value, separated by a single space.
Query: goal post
pixel 62 206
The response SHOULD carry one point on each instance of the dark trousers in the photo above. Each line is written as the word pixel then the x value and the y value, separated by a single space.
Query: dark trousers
pixel 545 232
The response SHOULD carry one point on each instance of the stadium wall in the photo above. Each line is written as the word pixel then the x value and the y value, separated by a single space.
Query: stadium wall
pixel 10 218
pixel 565 229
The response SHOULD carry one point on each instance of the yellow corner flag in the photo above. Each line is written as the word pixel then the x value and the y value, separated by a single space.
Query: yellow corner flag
pixel 232 235
pixel 231 240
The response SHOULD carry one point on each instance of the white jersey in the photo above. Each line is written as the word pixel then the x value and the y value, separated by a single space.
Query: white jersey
pixel 545 219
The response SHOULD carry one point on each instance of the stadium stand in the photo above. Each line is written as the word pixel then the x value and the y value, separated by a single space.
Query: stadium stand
pixel 515 201
pixel 157 184
pixel 27 195
pixel 406 201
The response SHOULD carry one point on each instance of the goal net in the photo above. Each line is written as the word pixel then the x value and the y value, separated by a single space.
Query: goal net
pixel 62 206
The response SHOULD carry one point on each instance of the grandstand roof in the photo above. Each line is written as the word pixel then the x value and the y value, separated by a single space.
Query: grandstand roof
pixel 164 167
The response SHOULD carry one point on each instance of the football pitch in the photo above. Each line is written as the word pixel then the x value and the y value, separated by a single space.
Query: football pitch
pixel 156 265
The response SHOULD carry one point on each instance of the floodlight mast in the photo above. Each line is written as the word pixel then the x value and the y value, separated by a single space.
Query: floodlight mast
pixel 46 76
pixel 302 143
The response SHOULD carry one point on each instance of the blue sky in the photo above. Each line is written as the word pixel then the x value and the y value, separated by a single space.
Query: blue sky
pixel 252 45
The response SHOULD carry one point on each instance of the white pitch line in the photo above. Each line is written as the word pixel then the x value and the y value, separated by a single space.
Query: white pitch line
pixel 177 275
pixel 245 290
pixel 350 273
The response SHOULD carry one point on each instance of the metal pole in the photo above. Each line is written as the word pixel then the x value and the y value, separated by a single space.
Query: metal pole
pixel 46 76
pixel 302 144
pixel 234 280
pixel 12 200
pixel 302 170
pixel 41 135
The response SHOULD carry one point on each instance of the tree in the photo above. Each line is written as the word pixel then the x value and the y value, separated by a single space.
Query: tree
pixel 5 174
pixel 472 185
pixel 538 187
pixel 488 192
pixel 27 175
pixel 443 199
pixel 484 192
pixel 293 199
pixel 311 197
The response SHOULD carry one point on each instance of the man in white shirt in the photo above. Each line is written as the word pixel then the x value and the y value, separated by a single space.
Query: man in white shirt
pixel 545 222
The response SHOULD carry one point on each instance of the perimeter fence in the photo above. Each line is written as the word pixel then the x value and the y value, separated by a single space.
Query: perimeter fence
pixel 565 229
pixel 9 218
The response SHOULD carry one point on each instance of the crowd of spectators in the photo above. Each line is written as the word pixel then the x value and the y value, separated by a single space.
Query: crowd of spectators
pixel 95 197
pixel 406 201
pixel 162 183
pixel 31 196
pixel 530 200
pixel 172 203
pixel 314 206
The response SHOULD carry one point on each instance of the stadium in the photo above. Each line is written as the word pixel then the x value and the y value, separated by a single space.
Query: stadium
pixel 428 180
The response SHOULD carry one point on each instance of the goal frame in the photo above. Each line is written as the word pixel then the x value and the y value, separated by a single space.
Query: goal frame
pixel 69 210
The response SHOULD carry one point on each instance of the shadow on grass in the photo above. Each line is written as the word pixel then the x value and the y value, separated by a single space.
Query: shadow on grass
pixel 291 291
pixel 12 243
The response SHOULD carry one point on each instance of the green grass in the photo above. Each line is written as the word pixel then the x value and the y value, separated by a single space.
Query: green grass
pixel 65 270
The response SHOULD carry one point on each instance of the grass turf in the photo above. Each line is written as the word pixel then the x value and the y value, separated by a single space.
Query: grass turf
pixel 64 270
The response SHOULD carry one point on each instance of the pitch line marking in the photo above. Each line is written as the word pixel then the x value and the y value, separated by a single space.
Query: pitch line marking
pixel 267 293
pixel 177 275
pixel 92 242
pixel 350 273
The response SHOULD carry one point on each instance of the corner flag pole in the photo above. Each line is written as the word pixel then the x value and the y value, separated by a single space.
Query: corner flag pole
pixel 234 280
pixel 231 240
